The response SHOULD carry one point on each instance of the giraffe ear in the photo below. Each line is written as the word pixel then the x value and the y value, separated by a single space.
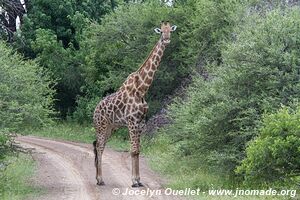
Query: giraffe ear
pixel 173 28
pixel 157 30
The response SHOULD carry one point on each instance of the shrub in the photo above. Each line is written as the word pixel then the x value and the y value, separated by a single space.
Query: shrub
pixel 274 156
pixel 211 23
pixel 25 92
pixel 5 142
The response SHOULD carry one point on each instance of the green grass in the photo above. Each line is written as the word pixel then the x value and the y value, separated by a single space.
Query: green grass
pixel 119 140
pixel 14 179
pixel 65 131
pixel 80 133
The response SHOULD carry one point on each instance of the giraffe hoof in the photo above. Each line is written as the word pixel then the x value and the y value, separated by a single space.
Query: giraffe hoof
pixel 141 185
pixel 137 185
pixel 100 183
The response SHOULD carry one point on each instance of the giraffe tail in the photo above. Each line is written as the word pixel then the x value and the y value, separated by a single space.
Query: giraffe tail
pixel 95 152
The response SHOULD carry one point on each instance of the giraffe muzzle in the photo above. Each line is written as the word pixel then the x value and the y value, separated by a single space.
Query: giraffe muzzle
pixel 167 41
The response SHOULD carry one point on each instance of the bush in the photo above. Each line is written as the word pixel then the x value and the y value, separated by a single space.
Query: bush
pixel 274 156
pixel 25 92
pixel 211 23
pixel 5 145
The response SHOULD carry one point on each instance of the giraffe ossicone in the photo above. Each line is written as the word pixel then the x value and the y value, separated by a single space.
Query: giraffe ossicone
pixel 127 107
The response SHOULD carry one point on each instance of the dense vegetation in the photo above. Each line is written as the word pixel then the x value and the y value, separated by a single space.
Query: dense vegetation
pixel 273 157
pixel 26 100
pixel 242 59
pixel 211 128
pixel 26 94
pixel 51 33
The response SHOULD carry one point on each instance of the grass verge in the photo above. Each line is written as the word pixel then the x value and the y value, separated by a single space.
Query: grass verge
pixel 14 178
pixel 65 131
pixel 80 133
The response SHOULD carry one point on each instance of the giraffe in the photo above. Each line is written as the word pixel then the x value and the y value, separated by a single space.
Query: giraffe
pixel 127 107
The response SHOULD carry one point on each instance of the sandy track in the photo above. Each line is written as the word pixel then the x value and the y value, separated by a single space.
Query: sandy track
pixel 66 171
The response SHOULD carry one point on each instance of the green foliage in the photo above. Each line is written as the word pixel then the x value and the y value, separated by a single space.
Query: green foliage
pixel 51 32
pixel 64 65
pixel 266 59
pixel 210 23
pixel 58 16
pixel 200 136
pixel 26 95
pixel 274 156
pixel 14 178
pixel 260 72
pixel 5 141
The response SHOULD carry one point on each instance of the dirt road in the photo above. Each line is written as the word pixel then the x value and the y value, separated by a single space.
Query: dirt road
pixel 66 171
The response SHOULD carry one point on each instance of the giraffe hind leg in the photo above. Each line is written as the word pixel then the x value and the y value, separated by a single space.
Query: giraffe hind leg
pixel 95 153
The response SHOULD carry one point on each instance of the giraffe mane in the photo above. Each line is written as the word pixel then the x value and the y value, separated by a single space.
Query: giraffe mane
pixel 142 65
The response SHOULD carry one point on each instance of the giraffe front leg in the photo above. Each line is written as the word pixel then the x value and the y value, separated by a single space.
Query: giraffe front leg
pixel 135 132
pixel 99 146
pixel 135 170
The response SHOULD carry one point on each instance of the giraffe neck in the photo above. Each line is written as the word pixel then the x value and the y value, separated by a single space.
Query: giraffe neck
pixel 147 70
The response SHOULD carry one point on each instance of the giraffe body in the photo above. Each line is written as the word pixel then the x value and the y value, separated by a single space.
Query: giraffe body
pixel 127 107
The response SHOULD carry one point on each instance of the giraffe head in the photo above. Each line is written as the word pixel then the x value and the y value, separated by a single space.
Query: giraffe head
pixel 165 31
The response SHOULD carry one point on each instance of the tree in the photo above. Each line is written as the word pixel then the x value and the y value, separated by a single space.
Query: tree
pixel 51 32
